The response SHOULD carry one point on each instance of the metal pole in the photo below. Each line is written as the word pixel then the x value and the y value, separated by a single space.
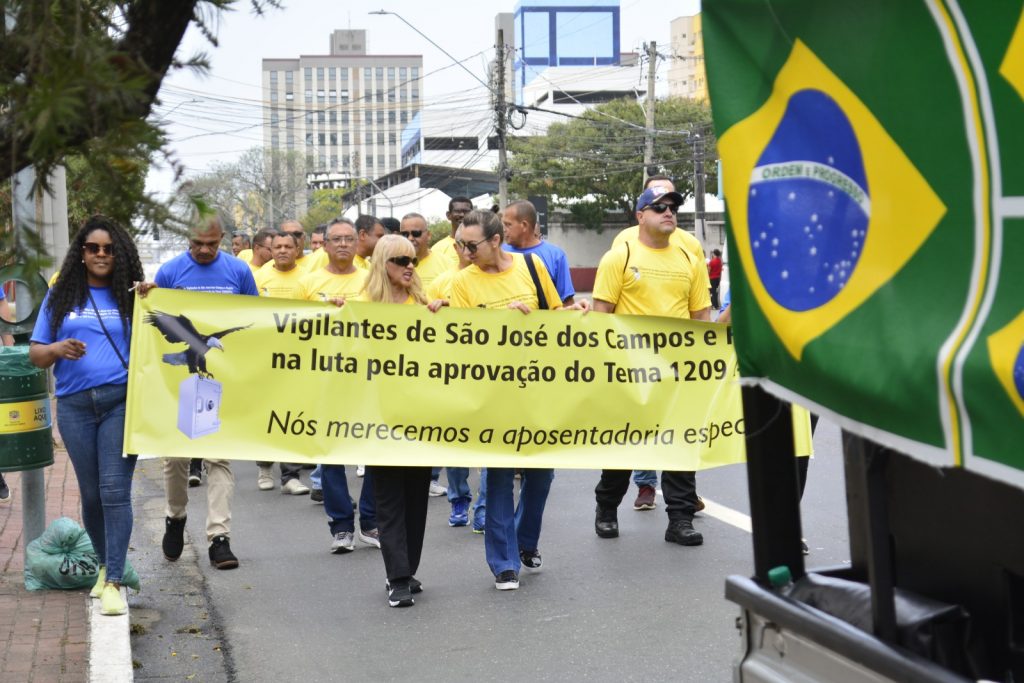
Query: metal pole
pixel 698 190
pixel 652 53
pixel 501 119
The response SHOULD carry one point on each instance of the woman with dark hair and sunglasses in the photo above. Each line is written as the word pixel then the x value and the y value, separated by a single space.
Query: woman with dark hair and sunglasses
pixel 401 491
pixel 84 332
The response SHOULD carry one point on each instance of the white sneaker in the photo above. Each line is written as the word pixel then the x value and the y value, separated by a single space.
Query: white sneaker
pixel 265 480
pixel 344 542
pixel 360 470
pixel 294 487
pixel 438 489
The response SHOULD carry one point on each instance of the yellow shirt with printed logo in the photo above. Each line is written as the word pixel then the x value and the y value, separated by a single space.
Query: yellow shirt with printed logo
pixel 681 238
pixel 640 280
pixel 473 288
pixel 322 285
pixel 281 285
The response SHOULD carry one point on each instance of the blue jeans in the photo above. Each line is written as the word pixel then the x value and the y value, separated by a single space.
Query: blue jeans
pixel 458 484
pixel 510 528
pixel 480 507
pixel 91 422
pixel 315 476
pixel 338 504
pixel 645 478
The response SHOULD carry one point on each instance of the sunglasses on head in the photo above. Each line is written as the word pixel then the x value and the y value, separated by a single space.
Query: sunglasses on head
pixel 469 246
pixel 93 248
pixel 412 233
pixel 662 208
pixel 404 261
pixel 296 233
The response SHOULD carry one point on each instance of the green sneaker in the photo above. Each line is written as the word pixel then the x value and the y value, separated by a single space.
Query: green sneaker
pixel 101 579
pixel 111 602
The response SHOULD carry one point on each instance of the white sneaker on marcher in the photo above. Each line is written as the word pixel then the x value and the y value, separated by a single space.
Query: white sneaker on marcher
pixel 265 480
pixel 438 489
pixel 294 487
pixel 360 470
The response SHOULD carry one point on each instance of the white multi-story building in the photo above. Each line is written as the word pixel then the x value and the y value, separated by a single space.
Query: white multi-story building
pixel 344 111
pixel 686 75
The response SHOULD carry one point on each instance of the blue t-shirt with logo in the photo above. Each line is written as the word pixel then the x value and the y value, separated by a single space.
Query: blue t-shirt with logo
pixel 226 275
pixel 555 261
pixel 100 364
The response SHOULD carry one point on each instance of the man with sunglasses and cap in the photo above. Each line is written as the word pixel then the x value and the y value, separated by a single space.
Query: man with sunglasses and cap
pixel 203 268
pixel 651 275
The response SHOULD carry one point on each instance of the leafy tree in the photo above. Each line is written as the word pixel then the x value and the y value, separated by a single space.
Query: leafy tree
pixel 324 205
pixel 261 189
pixel 80 77
pixel 594 163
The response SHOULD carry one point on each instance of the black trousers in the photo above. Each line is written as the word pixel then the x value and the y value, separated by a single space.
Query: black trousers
pixel 679 489
pixel 401 494
pixel 715 282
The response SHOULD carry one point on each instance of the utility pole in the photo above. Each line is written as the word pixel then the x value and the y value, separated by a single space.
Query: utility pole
pixel 698 188
pixel 652 55
pixel 501 120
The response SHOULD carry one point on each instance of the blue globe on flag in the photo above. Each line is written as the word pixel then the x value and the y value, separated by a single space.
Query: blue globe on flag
pixel 809 204
pixel 1018 373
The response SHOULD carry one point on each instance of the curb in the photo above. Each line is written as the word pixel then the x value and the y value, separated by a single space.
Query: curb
pixel 110 648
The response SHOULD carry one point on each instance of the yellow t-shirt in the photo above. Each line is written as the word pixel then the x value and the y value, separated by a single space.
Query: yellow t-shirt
pixel 302 263
pixel 274 283
pixel 680 238
pixel 431 267
pixel 255 269
pixel 473 288
pixel 441 287
pixel 322 285
pixel 245 255
pixel 360 262
pixel 446 247
pixel 640 280
pixel 317 260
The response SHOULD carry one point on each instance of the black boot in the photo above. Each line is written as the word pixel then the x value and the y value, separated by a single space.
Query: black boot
pixel 606 523
pixel 681 531
pixel 174 538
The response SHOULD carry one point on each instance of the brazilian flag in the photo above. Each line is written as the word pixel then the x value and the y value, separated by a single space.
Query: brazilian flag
pixel 873 168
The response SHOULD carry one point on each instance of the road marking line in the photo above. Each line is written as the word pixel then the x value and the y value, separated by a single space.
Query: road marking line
pixel 723 514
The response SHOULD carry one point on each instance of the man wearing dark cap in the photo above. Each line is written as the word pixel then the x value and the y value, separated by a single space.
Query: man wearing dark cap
pixel 651 275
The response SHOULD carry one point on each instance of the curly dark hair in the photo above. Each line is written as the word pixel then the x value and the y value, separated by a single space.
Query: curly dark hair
pixel 71 290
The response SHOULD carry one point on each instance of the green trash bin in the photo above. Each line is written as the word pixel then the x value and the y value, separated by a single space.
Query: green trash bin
pixel 26 439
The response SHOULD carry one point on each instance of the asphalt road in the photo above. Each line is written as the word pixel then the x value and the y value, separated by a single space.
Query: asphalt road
pixel 632 608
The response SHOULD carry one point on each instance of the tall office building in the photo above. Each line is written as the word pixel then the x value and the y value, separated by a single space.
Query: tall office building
pixel 344 111
pixel 686 75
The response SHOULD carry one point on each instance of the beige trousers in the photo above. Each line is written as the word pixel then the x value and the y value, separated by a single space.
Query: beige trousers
pixel 219 491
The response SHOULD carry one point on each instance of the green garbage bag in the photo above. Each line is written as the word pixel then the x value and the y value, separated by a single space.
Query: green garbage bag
pixel 63 558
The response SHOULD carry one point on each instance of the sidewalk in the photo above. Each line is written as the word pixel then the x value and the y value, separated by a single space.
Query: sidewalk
pixel 43 634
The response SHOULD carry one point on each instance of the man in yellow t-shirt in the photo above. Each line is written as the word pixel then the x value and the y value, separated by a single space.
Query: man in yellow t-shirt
pixel 339 279
pixel 240 244
pixel 281 281
pixel 414 229
pixel 281 278
pixel 261 253
pixel 651 275
pixel 368 230
pixel 458 207
pixel 294 228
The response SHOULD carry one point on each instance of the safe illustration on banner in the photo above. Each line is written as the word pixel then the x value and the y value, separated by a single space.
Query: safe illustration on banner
pixel 199 394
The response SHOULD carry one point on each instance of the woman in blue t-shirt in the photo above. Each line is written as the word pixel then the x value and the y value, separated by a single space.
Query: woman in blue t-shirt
pixel 83 331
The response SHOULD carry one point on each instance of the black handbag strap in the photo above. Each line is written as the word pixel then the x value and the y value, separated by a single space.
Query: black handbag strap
pixel 542 301
pixel 110 339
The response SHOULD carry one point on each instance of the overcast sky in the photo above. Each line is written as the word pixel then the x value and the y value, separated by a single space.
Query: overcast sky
pixel 214 118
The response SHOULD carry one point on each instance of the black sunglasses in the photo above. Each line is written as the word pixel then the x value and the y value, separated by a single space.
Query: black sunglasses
pixel 404 261
pixel 412 233
pixel 93 248
pixel 296 233
pixel 662 208
pixel 469 246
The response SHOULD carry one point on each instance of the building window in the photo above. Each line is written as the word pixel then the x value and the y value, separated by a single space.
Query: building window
pixel 380 138
pixel 344 139
pixel 309 95
pixel 391 95
pixel 273 118
pixel 309 117
pixel 380 95
pixel 308 71
pixel 392 138
pixel 415 93
pixel 273 77
pixel 344 117
pixel 334 162
pixel 403 74
pixel 369 162
pixel 320 94
pixel 331 72
pixel 334 138
pixel 369 138
pixel 344 95
pixel 289 77
pixel 404 117
pixel 391 73
pixel 380 117
pixel 380 73
pixel 309 139
pixel 321 117
pixel 273 95
pixel 332 95
pixel 319 73
pixel 369 118
pixel 274 140
pixel 415 73
pixel 392 160
pixel 288 96
pixel 391 117
pixel 321 139
pixel 332 117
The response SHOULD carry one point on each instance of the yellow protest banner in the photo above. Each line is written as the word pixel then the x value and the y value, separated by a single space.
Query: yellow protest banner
pixel 251 378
